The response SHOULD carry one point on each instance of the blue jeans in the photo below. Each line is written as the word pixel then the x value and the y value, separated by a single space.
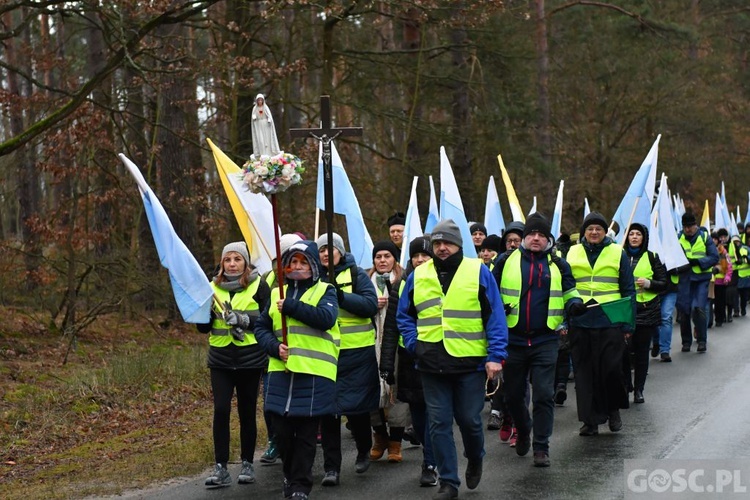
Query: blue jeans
pixel 692 302
pixel 459 396
pixel 668 301
pixel 537 362
pixel 419 420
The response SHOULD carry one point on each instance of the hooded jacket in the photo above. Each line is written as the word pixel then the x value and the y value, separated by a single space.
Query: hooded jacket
pixel 299 394
pixel 648 313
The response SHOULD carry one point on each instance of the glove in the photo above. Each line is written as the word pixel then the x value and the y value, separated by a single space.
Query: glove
pixel 693 262
pixel 388 377
pixel 578 309
pixel 240 320
pixel 238 334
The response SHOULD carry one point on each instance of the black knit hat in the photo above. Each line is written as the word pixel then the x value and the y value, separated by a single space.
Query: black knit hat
pixel 397 219
pixel 492 242
pixel 478 227
pixel 538 223
pixel 593 218
pixel 388 246
pixel 420 244
pixel 688 219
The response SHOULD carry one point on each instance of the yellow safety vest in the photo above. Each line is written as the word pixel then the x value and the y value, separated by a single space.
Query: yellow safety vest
pixel 400 291
pixel 271 279
pixel 600 282
pixel 644 270
pixel 454 318
pixel 355 331
pixel 311 351
pixel 511 285
pixel 242 302
pixel 696 251
pixel 743 268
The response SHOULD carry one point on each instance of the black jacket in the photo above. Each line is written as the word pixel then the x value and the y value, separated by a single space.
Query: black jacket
pixel 648 313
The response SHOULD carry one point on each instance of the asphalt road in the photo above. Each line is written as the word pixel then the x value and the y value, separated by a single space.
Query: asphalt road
pixel 696 407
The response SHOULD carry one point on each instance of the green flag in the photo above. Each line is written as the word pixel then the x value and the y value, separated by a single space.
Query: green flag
pixel 620 311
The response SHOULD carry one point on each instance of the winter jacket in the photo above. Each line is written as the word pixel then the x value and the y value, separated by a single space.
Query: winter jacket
pixel 299 394
pixel 232 356
pixel 432 357
pixel 648 313
pixel 531 328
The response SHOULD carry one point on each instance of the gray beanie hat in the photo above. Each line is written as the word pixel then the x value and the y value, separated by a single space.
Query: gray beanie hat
pixel 447 230
pixel 287 240
pixel 238 246
pixel 338 242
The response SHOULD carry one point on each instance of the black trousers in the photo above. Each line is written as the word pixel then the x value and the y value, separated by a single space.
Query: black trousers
pixel 223 384
pixel 296 439
pixel 330 431
pixel 638 352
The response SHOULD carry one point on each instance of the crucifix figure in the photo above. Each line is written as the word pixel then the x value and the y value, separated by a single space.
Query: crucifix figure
pixel 325 134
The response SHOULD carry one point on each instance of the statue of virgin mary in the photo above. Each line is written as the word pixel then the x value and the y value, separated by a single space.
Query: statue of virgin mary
pixel 265 142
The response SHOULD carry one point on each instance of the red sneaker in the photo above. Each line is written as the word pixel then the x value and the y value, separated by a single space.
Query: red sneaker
pixel 513 437
pixel 506 430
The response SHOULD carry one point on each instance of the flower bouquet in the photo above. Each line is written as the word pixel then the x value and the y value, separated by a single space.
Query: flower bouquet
pixel 272 174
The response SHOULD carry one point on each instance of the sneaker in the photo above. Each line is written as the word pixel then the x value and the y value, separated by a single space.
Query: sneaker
pixel 588 430
pixel 701 347
pixel 561 394
pixel 541 459
pixel 429 476
pixel 473 473
pixel 494 422
pixel 654 350
pixel 506 431
pixel 446 492
pixel 411 436
pixel 685 347
pixel 247 473
pixel 615 422
pixel 219 477
pixel 523 444
pixel 665 357
pixel 271 454
pixel 331 478
pixel 513 439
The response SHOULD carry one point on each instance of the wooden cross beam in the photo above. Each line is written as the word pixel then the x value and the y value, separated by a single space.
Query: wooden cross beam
pixel 325 134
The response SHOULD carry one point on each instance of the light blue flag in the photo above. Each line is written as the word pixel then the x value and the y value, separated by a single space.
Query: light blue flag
pixel 345 203
pixel 719 211
pixel 451 206
pixel 671 252
pixel 586 208
pixel 412 226
pixel 191 288
pixel 731 226
pixel 637 200
pixel 433 215
pixel 557 214
pixel 493 214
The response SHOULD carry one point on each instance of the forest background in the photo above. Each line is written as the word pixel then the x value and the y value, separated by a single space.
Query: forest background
pixel 571 90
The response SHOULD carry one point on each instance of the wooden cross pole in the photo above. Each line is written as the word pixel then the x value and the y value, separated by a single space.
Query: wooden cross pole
pixel 325 134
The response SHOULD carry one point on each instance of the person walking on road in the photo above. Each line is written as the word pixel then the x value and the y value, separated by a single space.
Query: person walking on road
pixel 301 373
pixel 602 273
pixel 451 317
pixel 235 359
pixel 537 288
pixel 692 296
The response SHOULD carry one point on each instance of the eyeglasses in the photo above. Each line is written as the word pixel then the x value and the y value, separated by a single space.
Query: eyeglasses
pixel 513 240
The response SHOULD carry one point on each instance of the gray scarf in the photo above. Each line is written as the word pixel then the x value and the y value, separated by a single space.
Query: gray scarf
pixel 232 283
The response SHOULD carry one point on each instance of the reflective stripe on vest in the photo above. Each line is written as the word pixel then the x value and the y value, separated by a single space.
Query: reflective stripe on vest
pixel 743 268
pixel 602 282
pixel 511 285
pixel 311 351
pixel 695 251
pixel 242 302
pixel 644 270
pixel 355 331
pixel 454 318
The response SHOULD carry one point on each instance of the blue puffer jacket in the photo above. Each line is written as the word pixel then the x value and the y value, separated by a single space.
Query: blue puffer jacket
pixel 357 383
pixel 299 394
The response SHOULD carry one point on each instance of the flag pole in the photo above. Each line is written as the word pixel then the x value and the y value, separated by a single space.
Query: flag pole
pixel 279 274
pixel 317 222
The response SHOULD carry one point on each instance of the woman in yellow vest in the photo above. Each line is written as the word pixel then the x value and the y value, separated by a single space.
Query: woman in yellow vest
pixel 650 280
pixel 301 373
pixel 602 274
pixel 235 359
pixel 358 386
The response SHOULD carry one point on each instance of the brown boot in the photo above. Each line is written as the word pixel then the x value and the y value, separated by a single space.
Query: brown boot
pixel 394 451
pixel 379 445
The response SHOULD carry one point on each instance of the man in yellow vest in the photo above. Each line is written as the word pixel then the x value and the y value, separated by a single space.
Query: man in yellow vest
pixel 537 288
pixel 451 318
pixel 692 297
pixel 742 267
pixel 602 273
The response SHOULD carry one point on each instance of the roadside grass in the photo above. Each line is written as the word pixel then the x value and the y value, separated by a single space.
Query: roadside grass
pixel 130 409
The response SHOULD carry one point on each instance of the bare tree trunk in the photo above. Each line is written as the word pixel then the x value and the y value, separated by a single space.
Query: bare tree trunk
pixel 542 51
